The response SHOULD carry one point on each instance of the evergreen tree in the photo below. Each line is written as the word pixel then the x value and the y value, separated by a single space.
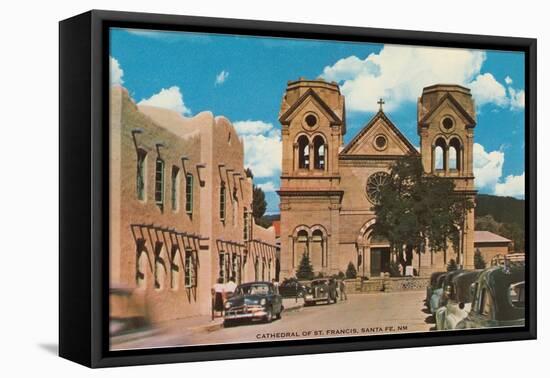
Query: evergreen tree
pixel 351 272
pixel 451 266
pixel 305 269
pixel 479 261
pixel 259 203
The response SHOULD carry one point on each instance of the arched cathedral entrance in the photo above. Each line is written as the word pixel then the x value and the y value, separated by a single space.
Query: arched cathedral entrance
pixel 373 252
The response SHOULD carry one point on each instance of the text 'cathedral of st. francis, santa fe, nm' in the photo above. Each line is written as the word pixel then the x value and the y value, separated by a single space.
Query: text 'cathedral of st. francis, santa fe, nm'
pixel 328 189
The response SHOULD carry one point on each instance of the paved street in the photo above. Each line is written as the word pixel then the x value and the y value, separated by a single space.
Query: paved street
pixel 361 314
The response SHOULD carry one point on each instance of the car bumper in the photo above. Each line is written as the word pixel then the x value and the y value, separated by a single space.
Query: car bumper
pixel 311 299
pixel 242 313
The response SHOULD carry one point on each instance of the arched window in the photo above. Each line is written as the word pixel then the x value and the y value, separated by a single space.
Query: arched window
pixel 440 157
pixel 317 257
pixel 141 174
pixel 303 152
pixel 455 154
pixel 319 152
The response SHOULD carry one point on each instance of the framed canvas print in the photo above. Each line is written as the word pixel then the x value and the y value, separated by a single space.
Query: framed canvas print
pixel 233 188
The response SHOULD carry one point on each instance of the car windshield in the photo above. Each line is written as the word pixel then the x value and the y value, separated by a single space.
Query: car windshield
pixel 319 282
pixel 252 290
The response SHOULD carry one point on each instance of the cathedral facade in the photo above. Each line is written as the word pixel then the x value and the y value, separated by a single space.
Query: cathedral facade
pixel 328 188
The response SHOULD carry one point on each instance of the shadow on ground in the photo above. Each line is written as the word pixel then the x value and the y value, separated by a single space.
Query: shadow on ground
pixel 50 348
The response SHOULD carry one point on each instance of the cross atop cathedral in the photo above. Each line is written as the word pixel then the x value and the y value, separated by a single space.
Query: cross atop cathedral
pixel 381 102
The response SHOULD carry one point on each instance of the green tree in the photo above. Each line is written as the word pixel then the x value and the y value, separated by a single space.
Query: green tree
pixel 259 203
pixel 415 207
pixel 351 272
pixel 305 269
pixel 479 261
pixel 452 265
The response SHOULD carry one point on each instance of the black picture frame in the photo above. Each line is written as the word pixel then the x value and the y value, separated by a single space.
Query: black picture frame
pixel 84 195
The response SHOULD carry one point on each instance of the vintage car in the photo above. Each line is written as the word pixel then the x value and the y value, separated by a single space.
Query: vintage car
pixel 458 298
pixel 321 290
pixel 291 287
pixel 436 292
pixel 439 298
pixel 253 301
pixel 432 285
pixel 498 299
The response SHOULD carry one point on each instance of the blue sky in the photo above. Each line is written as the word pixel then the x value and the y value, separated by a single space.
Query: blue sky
pixel 244 78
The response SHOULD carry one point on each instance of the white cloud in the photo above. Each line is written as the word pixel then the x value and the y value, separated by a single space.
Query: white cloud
pixel 267 186
pixel 398 74
pixel 517 98
pixel 252 127
pixel 487 167
pixel 486 89
pixel 170 98
pixel 488 174
pixel 262 147
pixel 513 186
pixel 221 77
pixel 116 72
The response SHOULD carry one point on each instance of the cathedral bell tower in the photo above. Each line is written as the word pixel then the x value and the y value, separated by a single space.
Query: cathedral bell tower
pixel 446 122
pixel 312 118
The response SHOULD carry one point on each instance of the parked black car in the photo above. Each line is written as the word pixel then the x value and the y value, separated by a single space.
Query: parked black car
pixel 458 300
pixel 436 293
pixel 321 290
pixel 291 287
pixel 254 301
pixel 498 299
pixel 432 286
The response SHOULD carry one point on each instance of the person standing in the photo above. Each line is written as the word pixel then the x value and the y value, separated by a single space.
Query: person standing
pixel 218 294
pixel 230 287
pixel 343 295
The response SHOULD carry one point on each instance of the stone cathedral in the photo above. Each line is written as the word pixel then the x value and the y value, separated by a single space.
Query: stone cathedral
pixel 328 188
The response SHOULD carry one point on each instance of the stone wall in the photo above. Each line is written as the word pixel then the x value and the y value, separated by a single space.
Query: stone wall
pixel 389 284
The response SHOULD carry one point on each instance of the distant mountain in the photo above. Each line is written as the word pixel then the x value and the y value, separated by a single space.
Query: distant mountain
pixel 502 209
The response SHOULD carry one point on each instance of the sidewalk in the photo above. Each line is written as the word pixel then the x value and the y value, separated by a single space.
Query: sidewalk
pixel 202 323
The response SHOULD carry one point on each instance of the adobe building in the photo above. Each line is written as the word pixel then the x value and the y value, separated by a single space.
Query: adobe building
pixel 491 245
pixel 180 212
pixel 328 189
